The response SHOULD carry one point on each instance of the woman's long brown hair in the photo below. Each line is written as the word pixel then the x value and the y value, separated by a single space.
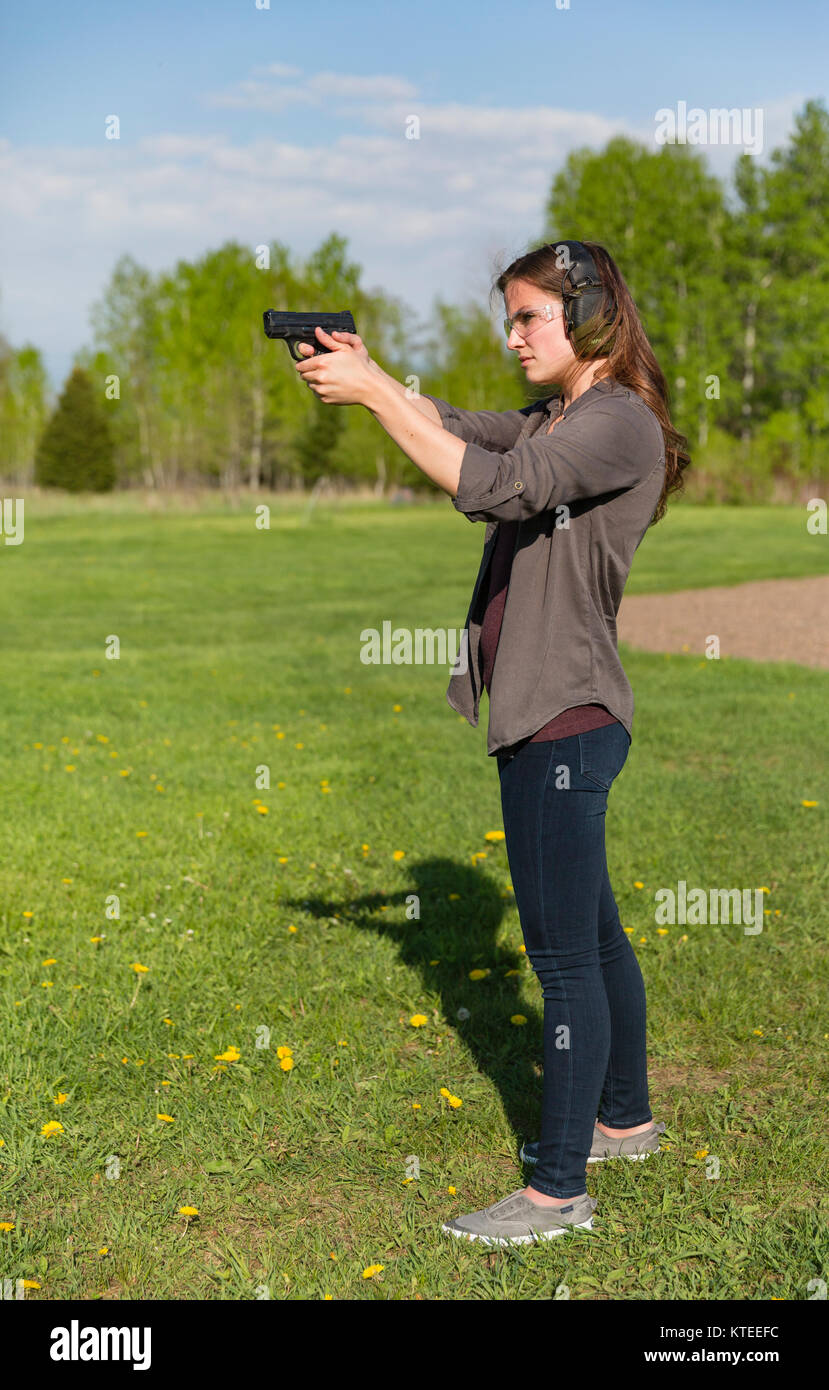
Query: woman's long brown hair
pixel 622 345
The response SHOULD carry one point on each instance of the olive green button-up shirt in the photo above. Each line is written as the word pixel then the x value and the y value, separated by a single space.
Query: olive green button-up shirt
pixel 584 496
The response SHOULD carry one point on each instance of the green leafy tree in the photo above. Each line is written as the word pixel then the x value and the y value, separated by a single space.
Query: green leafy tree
pixel 76 451
pixel 24 407
pixel 663 218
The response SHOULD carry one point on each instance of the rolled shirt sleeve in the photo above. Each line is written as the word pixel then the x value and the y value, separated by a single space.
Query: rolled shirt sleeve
pixel 597 451
pixel 495 430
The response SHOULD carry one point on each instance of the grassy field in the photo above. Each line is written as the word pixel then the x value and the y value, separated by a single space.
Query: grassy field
pixel 267 918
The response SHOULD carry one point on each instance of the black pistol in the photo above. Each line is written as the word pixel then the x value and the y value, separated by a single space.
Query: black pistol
pixel 296 328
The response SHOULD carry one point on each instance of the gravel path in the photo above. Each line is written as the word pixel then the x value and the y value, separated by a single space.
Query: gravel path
pixel 767 620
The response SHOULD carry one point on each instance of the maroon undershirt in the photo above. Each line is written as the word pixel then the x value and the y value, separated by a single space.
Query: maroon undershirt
pixel 575 720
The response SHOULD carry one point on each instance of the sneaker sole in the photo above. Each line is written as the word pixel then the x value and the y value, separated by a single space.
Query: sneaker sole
pixel 635 1158
pixel 518 1240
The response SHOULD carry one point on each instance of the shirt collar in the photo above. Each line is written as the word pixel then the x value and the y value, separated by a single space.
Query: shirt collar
pixel 553 404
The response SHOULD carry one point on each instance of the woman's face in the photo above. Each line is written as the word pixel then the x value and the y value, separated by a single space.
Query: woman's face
pixel 546 354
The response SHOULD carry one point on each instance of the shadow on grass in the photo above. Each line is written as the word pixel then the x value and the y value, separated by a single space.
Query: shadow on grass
pixel 450 939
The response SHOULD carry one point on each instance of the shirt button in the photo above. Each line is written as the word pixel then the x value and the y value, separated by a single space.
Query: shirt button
pixel 517 484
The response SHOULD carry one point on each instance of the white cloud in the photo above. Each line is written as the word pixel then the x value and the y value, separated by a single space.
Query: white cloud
pixel 318 89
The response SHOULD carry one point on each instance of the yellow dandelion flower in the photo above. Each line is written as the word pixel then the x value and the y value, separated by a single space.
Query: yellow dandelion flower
pixel 167 1020
pixel 758 1032
pixel 370 1271
pixel 445 1092
pixel 418 1020
pixel 628 931
pixel 637 884
pixel 453 897
pixel 284 1051
pixel 70 767
pixel 399 854
pixel 494 835
pixel 28 914
pixel 397 708
pixel 455 1102
pixel 52 1127
pixel 31 1284
pixel 168 1119
pixel 416 1105
pixel 188 1211
pixel 299 745
pixel 95 940
pixel 287 1064
pixel 231 1055
pixel 6 1225
pixel 453 1191
pixel 61 1098
pixel 701 1153
pixel 518 1019
pixel 102 738
pixel 292 928
pixel 808 803
pixel 104 1250
pixel 142 834
pixel 139 968
pixel 661 931
pixel 47 984
pixel 263 810
pixel 66 880
pixel 478 974
pixel 50 960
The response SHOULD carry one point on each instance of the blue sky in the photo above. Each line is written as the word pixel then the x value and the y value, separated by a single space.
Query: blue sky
pixel 288 123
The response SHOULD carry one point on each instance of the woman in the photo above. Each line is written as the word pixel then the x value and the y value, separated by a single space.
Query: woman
pixel 567 486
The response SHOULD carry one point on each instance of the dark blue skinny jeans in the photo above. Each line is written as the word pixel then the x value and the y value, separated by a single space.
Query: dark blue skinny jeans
pixel 554 801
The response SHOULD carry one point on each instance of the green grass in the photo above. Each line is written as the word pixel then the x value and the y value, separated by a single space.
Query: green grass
pixel 226 631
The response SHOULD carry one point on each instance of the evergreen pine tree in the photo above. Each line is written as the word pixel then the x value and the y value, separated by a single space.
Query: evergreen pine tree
pixel 76 450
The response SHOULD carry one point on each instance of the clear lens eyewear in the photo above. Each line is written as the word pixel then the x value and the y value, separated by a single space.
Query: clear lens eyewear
pixel 526 321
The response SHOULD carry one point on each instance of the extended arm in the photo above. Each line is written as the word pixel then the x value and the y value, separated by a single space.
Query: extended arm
pixel 430 447
pixel 421 403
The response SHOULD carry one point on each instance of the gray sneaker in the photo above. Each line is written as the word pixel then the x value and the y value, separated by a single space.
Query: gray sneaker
pixel 635 1146
pixel 515 1220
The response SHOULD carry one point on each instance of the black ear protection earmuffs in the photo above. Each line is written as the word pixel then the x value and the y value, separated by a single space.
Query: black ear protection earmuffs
pixel 582 296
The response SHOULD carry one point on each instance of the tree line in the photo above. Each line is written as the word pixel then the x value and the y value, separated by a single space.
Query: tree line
pixel 179 384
